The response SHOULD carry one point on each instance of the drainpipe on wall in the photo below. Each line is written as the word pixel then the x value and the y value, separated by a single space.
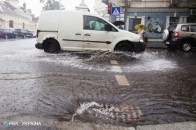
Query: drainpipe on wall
pixel 4 20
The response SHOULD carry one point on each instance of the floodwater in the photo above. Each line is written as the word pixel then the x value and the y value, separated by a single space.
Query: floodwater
pixel 81 86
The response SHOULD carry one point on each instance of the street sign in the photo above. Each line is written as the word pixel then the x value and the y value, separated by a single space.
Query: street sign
pixel 116 11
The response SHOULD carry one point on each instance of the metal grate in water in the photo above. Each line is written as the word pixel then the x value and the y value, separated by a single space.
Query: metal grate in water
pixel 118 113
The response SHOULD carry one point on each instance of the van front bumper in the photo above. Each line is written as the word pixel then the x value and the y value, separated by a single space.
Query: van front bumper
pixel 139 46
pixel 39 46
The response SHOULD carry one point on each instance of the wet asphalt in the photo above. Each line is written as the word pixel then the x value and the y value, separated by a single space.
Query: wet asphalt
pixel 162 84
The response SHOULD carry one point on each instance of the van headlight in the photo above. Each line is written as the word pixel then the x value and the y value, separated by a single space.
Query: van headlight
pixel 141 40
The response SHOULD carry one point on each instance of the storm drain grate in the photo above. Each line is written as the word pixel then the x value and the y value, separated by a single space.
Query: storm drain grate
pixel 119 113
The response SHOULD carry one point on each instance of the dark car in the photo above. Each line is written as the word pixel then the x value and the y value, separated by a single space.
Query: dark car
pixel 182 37
pixel 7 33
pixel 28 34
pixel 23 33
pixel 119 24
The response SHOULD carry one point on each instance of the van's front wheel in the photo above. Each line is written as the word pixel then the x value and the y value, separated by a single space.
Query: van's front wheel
pixel 51 46
pixel 124 47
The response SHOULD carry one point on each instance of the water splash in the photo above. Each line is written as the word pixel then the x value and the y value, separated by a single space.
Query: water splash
pixel 100 61
pixel 155 65
pixel 150 62
pixel 119 113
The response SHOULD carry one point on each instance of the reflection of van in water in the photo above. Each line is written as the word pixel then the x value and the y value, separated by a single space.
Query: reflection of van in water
pixel 78 31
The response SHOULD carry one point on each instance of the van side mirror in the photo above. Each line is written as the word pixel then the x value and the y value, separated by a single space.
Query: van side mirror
pixel 108 27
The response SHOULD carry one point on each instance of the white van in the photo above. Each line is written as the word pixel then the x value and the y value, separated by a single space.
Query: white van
pixel 80 31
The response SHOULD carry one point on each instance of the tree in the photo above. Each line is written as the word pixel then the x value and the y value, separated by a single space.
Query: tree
pixel 52 5
pixel 24 6
pixel 42 1
pixel 29 10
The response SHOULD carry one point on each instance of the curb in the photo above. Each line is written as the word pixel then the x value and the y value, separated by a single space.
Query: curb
pixel 89 126
pixel 174 126
pixel 43 123
pixel 156 45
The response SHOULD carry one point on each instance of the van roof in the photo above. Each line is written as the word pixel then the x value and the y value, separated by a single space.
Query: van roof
pixel 54 12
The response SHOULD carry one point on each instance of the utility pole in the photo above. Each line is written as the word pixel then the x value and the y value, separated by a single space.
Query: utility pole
pixel 125 13
pixel 109 10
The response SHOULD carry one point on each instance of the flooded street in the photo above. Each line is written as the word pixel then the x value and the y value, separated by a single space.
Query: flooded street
pixel 81 86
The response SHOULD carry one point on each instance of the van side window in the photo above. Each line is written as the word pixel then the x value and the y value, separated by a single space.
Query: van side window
pixel 94 23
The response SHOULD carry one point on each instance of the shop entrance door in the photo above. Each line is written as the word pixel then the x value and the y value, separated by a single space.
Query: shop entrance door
pixel 132 23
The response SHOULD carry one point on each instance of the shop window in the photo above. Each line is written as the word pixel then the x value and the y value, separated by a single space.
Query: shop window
pixel 175 2
pixel 133 22
pixel 174 21
pixel 191 19
pixel 11 24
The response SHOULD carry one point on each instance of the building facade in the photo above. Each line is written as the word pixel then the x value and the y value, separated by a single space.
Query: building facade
pixel 100 8
pixel 156 14
pixel 12 16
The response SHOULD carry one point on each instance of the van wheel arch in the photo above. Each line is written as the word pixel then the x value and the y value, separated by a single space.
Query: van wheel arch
pixel 51 45
pixel 126 46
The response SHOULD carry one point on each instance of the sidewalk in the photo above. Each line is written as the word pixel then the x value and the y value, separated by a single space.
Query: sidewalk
pixel 33 122
pixel 89 126
pixel 158 44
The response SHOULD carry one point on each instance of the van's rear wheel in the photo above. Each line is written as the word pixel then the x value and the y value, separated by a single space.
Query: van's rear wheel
pixel 124 47
pixel 51 46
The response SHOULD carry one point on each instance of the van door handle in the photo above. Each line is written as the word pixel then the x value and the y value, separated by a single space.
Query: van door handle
pixel 108 42
pixel 87 35
pixel 78 34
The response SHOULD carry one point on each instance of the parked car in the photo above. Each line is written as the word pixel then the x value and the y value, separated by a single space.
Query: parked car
pixel 119 24
pixel 7 33
pixel 79 31
pixel 23 33
pixel 183 37
pixel 33 33
pixel 28 34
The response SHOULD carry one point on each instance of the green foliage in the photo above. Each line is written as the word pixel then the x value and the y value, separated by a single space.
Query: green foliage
pixel 52 5
pixel 139 26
